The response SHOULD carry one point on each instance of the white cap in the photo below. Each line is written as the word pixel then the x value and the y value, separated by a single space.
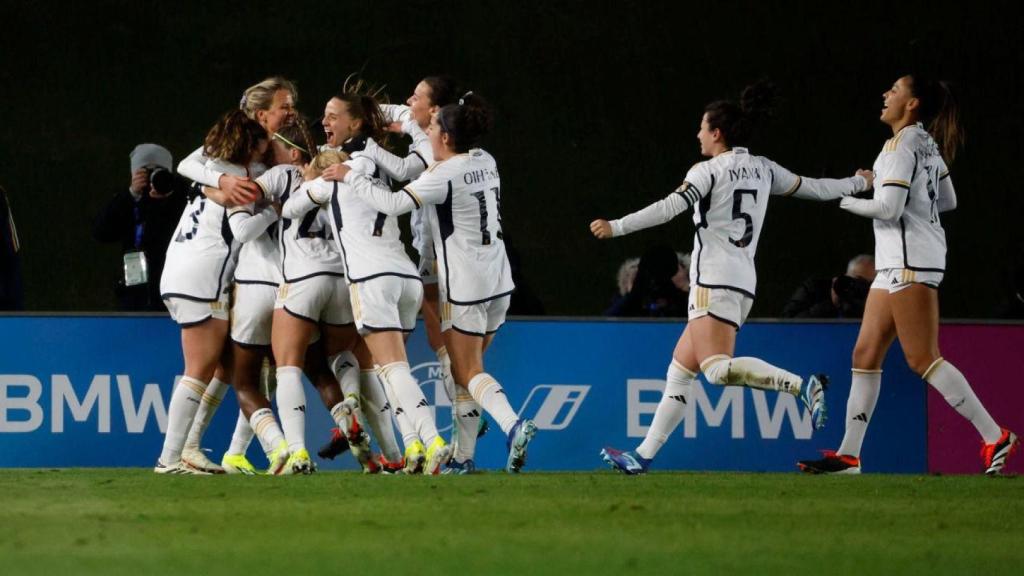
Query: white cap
pixel 150 155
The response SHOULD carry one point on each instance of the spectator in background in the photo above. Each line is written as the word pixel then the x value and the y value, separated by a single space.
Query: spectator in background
pixel 142 219
pixel 11 293
pixel 837 297
pixel 624 280
pixel 655 292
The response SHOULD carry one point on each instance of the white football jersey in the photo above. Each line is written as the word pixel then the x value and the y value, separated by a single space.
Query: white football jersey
pixel 369 240
pixel 258 228
pixel 203 252
pixel 306 242
pixel 465 216
pixel 916 240
pixel 201 255
pixel 730 193
pixel 421 155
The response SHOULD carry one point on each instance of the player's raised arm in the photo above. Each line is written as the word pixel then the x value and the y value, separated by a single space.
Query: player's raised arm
pixel 684 198
pixel 786 183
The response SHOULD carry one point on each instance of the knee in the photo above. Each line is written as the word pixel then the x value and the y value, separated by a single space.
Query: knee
pixel 716 369
pixel 920 363
pixel 867 356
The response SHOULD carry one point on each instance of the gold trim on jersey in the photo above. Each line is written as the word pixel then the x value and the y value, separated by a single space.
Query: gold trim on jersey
pixel 896 182
pixel 309 193
pixel 266 193
pixel 791 191
pixel 415 197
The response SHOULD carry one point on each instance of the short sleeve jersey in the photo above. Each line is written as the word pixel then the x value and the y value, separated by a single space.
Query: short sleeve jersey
pixel 911 161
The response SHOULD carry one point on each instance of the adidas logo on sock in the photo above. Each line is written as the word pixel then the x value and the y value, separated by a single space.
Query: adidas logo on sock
pixel 861 417
pixel 399 411
pixel 679 398
pixel 301 408
pixel 387 406
pixel 471 414
pixel 347 364
pixel 422 404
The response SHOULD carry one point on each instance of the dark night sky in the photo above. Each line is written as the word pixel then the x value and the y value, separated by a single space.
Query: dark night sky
pixel 597 107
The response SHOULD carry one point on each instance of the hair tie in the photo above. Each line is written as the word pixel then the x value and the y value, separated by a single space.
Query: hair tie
pixel 462 101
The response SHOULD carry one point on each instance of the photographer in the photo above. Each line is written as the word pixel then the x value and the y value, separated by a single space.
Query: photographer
pixel 143 218
pixel 837 297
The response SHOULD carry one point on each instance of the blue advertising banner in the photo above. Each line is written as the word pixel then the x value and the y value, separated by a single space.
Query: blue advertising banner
pixel 93 391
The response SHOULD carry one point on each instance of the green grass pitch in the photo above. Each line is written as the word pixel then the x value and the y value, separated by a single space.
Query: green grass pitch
pixel 130 521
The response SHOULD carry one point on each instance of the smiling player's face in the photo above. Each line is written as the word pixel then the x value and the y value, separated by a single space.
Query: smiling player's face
pixel 897 102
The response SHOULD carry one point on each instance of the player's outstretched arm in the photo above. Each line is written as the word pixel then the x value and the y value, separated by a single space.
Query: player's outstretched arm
pixel 785 183
pixel 658 213
pixel 887 204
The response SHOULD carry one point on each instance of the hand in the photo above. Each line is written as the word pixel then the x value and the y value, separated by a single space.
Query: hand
pixel 869 176
pixel 336 172
pixel 140 182
pixel 601 229
pixel 239 190
pixel 394 127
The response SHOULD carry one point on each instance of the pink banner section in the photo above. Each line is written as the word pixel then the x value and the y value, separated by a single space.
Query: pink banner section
pixel 992 359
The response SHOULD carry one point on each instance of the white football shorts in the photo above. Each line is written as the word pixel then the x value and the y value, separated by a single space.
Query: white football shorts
pixel 192 312
pixel 474 319
pixel 729 306
pixel 386 303
pixel 317 299
pixel 896 279
pixel 252 313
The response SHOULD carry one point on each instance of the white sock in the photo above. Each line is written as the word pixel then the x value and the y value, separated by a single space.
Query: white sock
pixel 242 436
pixel 864 390
pixel 291 405
pixel 207 407
pixel 267 430
pixel 467 420
pixel 945 378
pixel 185 401
pixel 670 411
pixel 345 367
pixel 377 410
pixel 489 394
pixel 445 362
pixel 750 372
pixel 405 427
pixel 398 377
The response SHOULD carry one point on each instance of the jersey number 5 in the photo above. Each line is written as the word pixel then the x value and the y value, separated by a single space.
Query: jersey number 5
pixel 739 214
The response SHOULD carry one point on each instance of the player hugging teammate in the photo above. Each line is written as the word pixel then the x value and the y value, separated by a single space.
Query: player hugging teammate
pixel 321 283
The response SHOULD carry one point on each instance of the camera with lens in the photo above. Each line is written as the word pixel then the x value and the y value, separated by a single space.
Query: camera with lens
pixel 852 293
pixel 163 181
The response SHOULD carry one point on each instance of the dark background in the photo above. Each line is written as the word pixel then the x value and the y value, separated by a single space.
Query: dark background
pixel 597 105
